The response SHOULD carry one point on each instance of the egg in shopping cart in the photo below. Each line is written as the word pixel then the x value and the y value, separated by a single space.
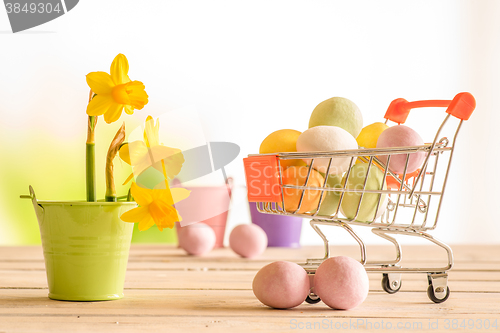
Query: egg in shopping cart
pixel 330 204
pixel 248 240
pixel 338 111
pixel 282 141
pixel 341 283
pixel 369 135
pixel 297 176
pixel 281 285
pixel 401 136
pixel 327 139
pixel 371 205
pixel 197 239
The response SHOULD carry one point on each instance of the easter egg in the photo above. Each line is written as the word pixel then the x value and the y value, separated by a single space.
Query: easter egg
pixel 297 175
pixel 338 111
pixel 368 136
pixel 374 181
pixel 401 136
pixel 248 240
pixel 281 285
pixel 331 199
pixel 327 138
pixel 281 141
pixel 341 283
pixel 197 239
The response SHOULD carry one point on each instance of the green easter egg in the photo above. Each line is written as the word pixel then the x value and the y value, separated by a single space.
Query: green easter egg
pixel 351 200
pixel 340 112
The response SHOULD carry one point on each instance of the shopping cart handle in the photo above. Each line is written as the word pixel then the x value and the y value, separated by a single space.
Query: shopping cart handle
pixel 461 107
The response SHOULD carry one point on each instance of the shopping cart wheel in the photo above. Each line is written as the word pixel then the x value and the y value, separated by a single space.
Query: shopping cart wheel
pixel 391 286
pixel 438 290
pixel 312 299
pixel 432 294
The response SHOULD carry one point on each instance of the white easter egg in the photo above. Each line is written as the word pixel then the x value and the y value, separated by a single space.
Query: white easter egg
pixel 327 139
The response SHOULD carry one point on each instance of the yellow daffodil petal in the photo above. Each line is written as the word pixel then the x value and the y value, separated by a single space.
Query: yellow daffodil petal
pixel 135 215
pixel 158 153
pixel 114 112
pixel 142 196
pixel 124 153
pixel 163 214
pixel 99 105
pixel 118 88
pixel 120 94
pixel 164 195
pixel 149 158
pixel 100 83
pixel 146 223
pixel 172 158
pixel 119 70
pixel 151 132
pixel 129 109
pixel 137 94
pixel 129 178
pixel 131 93
pixel 179 194
pixel 132 152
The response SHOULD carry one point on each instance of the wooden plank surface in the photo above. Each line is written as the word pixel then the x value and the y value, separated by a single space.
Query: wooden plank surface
pixel 166 290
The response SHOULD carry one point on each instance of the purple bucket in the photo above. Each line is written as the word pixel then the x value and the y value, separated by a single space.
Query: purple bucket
pixel 281 230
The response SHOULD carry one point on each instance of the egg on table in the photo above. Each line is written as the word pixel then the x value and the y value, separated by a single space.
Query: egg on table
pixel 341 283
pixel 197 239
pixel 281 285
pixel 248 240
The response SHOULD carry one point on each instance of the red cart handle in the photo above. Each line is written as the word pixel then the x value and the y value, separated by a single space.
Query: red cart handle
pixel 461 107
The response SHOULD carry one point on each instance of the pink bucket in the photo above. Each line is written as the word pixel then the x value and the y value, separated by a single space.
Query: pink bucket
pixel 207 204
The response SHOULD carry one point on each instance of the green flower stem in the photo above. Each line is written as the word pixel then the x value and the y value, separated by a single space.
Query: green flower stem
pixel 90 156
pixel 90 172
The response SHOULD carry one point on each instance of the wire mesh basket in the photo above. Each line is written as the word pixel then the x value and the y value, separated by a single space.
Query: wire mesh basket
pixel 370 193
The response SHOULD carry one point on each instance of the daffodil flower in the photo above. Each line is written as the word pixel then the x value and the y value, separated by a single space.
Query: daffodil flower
pixel 144 154
pixel 115 92
pixel 155 207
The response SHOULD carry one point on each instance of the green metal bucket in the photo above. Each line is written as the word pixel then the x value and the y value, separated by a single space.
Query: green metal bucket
pixel 85 246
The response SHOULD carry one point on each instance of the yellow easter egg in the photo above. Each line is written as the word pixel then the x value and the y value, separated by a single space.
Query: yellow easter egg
pixel 282 141
pixel 368 136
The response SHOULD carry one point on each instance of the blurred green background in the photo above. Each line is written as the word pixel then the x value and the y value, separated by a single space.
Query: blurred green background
pixel 55 168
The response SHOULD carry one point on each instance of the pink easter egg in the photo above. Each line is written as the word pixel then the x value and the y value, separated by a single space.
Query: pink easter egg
pixel 248 240
pixel 341 283
pixel 197 239
pixel 281 285
pixel 401 136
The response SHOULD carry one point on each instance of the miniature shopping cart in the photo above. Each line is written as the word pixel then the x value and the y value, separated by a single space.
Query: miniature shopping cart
pixel 411 202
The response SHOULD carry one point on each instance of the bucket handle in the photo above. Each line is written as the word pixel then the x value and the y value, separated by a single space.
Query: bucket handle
pixel 38 208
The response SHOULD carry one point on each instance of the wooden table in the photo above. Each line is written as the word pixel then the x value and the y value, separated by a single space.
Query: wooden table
pixel 166 290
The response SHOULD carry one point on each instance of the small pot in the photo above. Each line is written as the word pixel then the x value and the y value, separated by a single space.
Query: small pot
pixel 207 204
pixel 85 246
pixel 281 230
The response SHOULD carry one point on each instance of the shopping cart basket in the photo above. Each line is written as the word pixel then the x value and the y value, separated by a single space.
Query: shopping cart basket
pixel 411 201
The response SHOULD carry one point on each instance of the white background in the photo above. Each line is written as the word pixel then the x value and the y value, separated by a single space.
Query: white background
pixel 252 67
